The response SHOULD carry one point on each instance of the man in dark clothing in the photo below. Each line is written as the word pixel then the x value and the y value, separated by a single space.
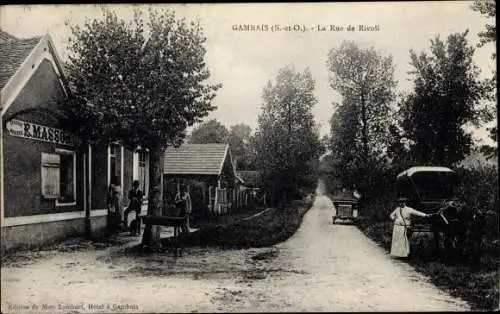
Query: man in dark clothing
pixel 114 204
pixel 183 204
pixel 135 196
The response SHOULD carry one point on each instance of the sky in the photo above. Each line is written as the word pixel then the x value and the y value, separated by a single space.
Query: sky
pixel 243 61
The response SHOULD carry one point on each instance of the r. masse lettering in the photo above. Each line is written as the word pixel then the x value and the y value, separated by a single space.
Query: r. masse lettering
pixel 40 132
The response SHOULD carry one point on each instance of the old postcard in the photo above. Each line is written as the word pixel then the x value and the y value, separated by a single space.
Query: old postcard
pixel 254 157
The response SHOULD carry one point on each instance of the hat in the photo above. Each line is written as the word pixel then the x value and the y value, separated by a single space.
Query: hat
pixel 403 199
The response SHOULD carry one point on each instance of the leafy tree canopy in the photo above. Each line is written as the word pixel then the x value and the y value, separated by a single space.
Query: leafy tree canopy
pixel 488 8
pixel 446 96
pixel 287 140
pixel 211 131
pixel 359 126
pixel 142 82
pixel 240 140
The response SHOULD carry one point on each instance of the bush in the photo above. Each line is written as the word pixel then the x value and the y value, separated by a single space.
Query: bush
pixel 479 188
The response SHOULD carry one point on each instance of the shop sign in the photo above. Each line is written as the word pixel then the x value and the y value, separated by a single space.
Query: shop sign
pixel 40 133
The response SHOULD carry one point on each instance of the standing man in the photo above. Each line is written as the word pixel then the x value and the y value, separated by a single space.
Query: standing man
pixel 187 200
pixel 114 204
pixel 183 203
pixel 135 196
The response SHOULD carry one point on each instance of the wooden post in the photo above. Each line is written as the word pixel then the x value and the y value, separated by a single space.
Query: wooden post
pixel 87 174
pixel 216 201
pixel 210 199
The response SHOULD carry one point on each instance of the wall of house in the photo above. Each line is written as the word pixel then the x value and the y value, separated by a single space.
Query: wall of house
pixel 22 171
pixel 35 235
pixel 42 90
pixel 30 219
pixel 22 156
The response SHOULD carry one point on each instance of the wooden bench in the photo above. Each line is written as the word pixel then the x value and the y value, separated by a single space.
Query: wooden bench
pixel 169 221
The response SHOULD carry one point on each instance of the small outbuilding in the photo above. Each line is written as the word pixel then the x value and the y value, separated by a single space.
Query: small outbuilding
pixel 207 172
pixel 251 187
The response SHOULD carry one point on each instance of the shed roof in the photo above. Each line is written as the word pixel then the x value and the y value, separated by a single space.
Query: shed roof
pixel 196 159
pixel 13 51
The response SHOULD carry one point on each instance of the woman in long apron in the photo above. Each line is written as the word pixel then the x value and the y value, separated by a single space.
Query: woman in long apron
pixel 400 246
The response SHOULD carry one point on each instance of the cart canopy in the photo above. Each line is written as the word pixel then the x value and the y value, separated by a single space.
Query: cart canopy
pixel 427 183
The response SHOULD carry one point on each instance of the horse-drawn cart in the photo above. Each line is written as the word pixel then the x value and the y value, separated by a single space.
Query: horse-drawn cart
pixel 432 190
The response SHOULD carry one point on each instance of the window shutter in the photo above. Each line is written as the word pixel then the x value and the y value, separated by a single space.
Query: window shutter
pixel 50 175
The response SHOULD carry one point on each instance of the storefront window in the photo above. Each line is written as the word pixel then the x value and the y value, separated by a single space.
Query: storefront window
pixel 67 179
pixel 143 176
pixel 58 176
pixel 114 163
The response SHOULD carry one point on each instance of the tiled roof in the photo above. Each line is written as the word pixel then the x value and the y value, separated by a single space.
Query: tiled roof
pixel 250 178
pixel 204 159
pixel 13 51
pixel 6 36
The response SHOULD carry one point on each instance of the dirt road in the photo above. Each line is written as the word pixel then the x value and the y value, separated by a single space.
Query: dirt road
pixel 323 267
pixel 336 268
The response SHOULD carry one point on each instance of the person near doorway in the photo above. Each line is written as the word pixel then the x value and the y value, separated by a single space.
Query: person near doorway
pixel 400 245
pixel 183 203
pixel 135 196
pixel 114 203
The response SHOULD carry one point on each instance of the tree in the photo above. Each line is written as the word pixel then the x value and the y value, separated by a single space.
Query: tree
pixel 445 97
pixel 488 8
pixel 211 131
pixel 287 139
pixel 141 88
pixel 240 142
pixel 359 132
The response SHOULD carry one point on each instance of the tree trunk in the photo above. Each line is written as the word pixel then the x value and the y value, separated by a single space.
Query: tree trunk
pixel 151 235
pixel 364 130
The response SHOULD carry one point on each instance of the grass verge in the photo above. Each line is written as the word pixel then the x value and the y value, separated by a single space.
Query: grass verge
pixel 479 287
pixel 226 219
pixel 272 227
